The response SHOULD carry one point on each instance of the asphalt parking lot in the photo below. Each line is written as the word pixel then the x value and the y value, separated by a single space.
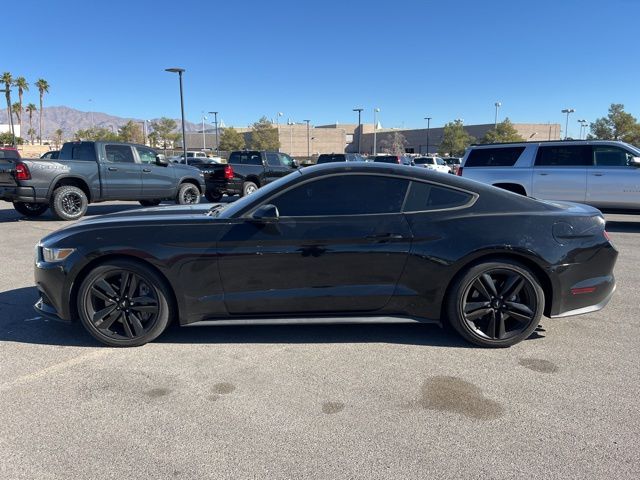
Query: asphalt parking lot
pixel 396 401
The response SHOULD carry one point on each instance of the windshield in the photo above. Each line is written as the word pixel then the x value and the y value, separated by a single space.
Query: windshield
pixel 423 161
pixel 231 209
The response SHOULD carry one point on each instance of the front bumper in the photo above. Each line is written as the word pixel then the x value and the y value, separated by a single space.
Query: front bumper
pixel 52 282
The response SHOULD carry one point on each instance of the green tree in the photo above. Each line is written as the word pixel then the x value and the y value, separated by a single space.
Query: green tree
pixel 164 132
pixel 264 136
pixel 395 145
pixel 97 134
pixel 57 139
pixel 231 139
pixel 7 79
pixel 131 132
pixel 455 139
pixel 43 87
pixel 23 86
pixel 17 111
pixel 30 109
pixel 617 125
pixel 6 138
pixel 504 132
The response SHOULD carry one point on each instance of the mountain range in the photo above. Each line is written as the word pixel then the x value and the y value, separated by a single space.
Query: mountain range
pixel 71 120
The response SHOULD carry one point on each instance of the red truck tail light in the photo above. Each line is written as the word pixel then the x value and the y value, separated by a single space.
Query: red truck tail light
pixel 228 172
pixel 22 172
pixel 399 160
pixel 459 172
pixel 606 235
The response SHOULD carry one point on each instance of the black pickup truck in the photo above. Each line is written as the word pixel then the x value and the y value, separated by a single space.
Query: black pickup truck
pixel 87 172
pixel 245 172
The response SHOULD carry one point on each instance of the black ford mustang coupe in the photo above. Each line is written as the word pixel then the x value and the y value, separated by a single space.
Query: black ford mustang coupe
pixel 354 243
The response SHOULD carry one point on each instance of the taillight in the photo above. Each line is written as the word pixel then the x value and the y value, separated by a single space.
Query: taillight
pixel 228 172
pixel 606 235
pixel 459 172
pixel 22 172
pixel 399 161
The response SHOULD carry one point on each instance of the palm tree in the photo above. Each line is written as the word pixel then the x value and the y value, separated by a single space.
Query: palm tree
pixel 23 86
pixel 58 137
pixel 7 79
pixel 43 87
pixel 30 109
pixel 17 110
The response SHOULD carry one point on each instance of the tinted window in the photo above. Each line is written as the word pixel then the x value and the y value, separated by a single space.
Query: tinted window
pixel 331 157
pixel 146 155
pixel 343 195
pixel 386 158
pixel 286 160
pixel 246 158
pixel 425 196
pixel 564 156
pixel 119 153
pixel 494 157
pixel 78 151
pixel 273 160
pixel 611 157
pixel 9 154
pixel 423 161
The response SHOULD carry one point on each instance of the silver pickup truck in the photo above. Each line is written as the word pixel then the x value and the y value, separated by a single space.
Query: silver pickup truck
pixel 601 173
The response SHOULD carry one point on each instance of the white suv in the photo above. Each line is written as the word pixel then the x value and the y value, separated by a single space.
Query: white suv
pixel 432 163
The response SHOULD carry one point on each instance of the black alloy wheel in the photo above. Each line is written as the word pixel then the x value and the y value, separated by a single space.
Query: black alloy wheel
pixel 496 304
pixel 188 194
pixel 123 304
pixel 68 203
pixel 213 195
pixel 30 209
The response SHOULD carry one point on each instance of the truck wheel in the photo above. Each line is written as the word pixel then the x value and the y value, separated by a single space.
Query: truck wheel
pixel 213 196
pixel 188 194
pixel 149 203
pixel 68 203
pixel 30 209
pixel 248 188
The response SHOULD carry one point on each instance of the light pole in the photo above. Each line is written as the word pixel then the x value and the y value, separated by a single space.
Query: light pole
pixel 91 112
pixel 359 110
pixel 215 123
pixel 180 71
pixel 375 130
pixel 278 115
pixel 567 111
pixel 583 125
pixel 144 131
pixel 7 91
pixel 428 119
pixel 204 141
pixel 290 123
pixel 495 122
pixel 308 140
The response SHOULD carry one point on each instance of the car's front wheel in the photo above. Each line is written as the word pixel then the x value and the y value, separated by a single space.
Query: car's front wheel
pixel 124 304
pixel 248 188
pixel 188 194
pixel 213 195
pixel 495 304
pixel 30 209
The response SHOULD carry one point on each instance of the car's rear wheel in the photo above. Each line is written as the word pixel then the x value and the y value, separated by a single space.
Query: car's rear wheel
pixel 30 209
pixel 68 203
pixel 124 304
pixel 248 188
pixel 495 304
pixel 150 203
pixel 188 194
pixel 213 195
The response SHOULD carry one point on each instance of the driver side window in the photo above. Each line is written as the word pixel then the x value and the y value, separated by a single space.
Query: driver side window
pixel 611 157
pixel 146 155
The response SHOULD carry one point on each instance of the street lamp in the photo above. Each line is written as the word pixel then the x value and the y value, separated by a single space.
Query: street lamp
pixel 204 141
pixel 567 111
pixel 375 129
pixel 359 110
pixel 583 125
pixel 91 112
pixel 308 140
pixel 495 122
pixel 7 91
pixel 215 116
pixel 278 115
pixel 428 119
pixel 180 71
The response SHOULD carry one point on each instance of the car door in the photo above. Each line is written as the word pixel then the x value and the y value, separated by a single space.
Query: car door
pixel 612 181
pixel 274 169
pixel 157 181
pixel 121 174
pixel 560 172
pixel 339 245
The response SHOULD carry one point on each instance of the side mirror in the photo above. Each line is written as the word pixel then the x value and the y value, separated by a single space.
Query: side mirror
pixel 266 212
pixel 161 160
pixel 634 162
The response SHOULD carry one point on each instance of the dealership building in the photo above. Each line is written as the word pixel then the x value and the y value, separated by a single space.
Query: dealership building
pixel 300 140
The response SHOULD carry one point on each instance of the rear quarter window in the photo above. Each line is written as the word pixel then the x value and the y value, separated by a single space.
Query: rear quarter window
pixel 494 157
pixel 426 196
pixel 564 156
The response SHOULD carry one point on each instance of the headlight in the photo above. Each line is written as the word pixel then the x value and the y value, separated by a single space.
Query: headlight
pixel 56 254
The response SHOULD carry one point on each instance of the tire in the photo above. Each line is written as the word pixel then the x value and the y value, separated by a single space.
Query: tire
pixel 149 203
pixel 108 308
pixel 68 203
pixel 213 196
pixel 248 188
pixel 30 209
pixel 188 194
pixel 495 304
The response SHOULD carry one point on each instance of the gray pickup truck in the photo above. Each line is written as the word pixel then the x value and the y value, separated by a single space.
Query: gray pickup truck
pixel 88 172
pixel 601 173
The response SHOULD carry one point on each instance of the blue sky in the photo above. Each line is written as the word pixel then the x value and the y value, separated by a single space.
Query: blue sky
pixel 319 60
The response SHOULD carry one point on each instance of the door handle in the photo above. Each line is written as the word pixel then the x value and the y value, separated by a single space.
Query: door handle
pixel 146 170
pixel 543 174
pixel 112 169
pixel 384 236
pixel 598 174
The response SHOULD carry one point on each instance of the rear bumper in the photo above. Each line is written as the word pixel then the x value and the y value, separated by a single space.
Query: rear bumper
pixel 19 194
pixel 588 308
